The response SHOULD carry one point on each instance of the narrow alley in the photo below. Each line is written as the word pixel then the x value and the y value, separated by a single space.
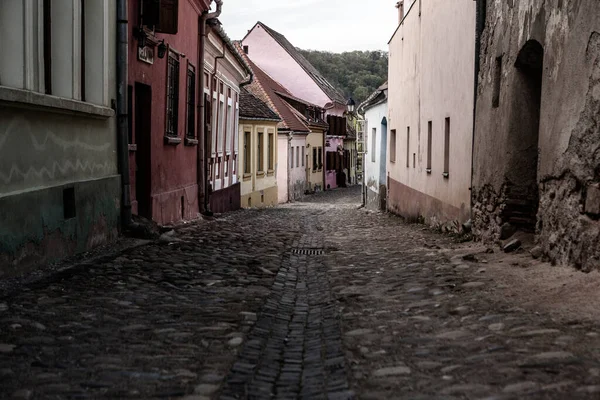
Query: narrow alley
pixel 329 301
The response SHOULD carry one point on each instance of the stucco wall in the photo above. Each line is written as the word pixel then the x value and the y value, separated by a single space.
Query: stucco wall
pixel 315 140
pixel 265 52
pixel 253 184
pixel 297 177
pixel 173 167
pixel 431 72
pixel 282 167
pixel 45 151
pixel 375 171
pixel 331 175
pixel 567 173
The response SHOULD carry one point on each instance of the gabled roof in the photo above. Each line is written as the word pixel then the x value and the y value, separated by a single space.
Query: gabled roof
pixel 251 107
pixel 334 94
pixel 377 97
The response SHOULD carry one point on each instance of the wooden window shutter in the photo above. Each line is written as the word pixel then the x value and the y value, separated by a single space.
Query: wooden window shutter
pixel 150 12
pixel 168 17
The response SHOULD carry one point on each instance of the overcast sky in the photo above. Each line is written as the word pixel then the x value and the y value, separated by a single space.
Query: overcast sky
pixel 332 25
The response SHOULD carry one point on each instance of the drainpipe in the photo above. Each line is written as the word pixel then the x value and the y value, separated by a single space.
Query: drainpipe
pixel 201 161
pixel 203 153
pixel 122 112
pixel 289 165
pixel 479 27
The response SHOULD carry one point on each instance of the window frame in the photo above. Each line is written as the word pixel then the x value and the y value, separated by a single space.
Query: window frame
pixel 172 103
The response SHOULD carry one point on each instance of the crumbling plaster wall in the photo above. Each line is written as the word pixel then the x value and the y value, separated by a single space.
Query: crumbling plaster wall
pixel 569 134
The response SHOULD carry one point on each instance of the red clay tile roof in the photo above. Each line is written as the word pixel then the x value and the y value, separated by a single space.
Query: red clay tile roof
pixel 331 92
pixel 254 108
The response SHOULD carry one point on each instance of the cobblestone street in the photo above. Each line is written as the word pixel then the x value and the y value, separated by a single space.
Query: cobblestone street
pixel 313 300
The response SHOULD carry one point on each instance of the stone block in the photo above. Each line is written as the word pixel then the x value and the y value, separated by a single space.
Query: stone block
pixel 592 200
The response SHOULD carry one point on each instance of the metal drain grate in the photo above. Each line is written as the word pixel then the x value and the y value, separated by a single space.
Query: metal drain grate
pixel 307 251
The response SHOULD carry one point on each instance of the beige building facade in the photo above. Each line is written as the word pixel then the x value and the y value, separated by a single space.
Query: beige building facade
pixel 258 158
pixel 431 99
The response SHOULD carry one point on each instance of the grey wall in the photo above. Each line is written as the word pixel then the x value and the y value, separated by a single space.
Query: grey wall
pixel 568 128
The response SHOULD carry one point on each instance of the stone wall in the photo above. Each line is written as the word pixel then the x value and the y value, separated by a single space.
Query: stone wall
pixel 556 136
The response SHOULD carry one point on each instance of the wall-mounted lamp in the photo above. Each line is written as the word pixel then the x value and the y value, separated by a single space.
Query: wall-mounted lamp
pixel 162 49
pixel 350 105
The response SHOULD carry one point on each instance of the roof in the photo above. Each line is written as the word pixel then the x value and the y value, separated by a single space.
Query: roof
pixel 254 108
pixel 270 86
pixel 331 92
pixel 217 26
pixel 377 97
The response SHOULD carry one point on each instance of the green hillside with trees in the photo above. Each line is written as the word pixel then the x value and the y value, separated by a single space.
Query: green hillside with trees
pixel 355 73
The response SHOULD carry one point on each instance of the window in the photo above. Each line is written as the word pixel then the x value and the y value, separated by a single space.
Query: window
pixel 172 94
pixel 226 166
pixel 393 145
pixel 214 123
pixel 161 16
pixel 429 144
pixel 373 144
pixel 271 152
pixel 407 146
pixel 447 148
pixel 292 157
pixel 191 102
pixel 297 156
pixel 221 125
pixel 332 161
pixel 56 47
pixel 497 82
pixel 414 160
pixel 247 153
pixel 303 156
pixel 320 156
pixel 259 156
pixel 315 161
pixel 229 128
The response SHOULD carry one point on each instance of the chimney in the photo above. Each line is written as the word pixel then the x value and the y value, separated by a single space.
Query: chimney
pixel 400 7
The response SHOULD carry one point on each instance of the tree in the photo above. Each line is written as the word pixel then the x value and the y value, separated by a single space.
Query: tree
pixel 355 73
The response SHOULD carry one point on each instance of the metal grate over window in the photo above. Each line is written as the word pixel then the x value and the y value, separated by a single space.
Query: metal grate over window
pixel 172 95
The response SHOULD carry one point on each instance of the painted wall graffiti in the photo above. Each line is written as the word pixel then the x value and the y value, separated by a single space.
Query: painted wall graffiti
pixel 42 150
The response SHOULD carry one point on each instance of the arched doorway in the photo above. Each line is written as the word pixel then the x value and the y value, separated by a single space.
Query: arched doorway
pixel 522 187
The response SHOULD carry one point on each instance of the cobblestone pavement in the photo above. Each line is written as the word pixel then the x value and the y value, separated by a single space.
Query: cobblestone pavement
pixel 311 300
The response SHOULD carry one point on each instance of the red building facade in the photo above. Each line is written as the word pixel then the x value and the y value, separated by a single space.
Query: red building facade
pixel 184 83
pixel 164 93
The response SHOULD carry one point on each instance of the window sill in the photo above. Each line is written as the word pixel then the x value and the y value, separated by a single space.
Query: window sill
pixel 446 175
pixel 247 177
pixel 270 172
pixel 34 100
pixel 428 170
pixel 173 141
pixel 191 142
pixel 132 147
pixel 260 174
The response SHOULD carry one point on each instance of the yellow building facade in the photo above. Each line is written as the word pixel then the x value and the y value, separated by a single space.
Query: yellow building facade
pixel 258 161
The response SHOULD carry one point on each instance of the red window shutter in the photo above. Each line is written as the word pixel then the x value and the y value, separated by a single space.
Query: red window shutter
pixel 168 16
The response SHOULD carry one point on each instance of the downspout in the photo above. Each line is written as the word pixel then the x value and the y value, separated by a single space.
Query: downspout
pixel 122 112
pixel 480 15
pixel 204 20
pixel 289 165
pixel 201 161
